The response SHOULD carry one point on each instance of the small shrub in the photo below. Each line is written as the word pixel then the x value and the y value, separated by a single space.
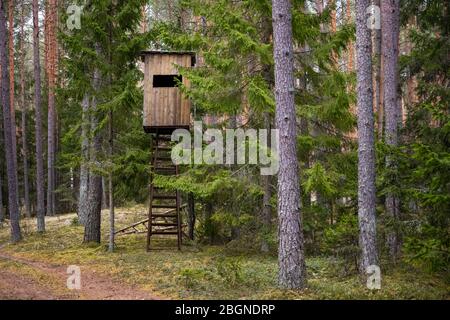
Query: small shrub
pixel 230 270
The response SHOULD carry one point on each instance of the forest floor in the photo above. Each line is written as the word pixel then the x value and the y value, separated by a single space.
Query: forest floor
pixel 36 268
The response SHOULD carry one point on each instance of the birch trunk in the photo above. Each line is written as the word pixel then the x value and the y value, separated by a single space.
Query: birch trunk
pixel 291 259
pixel 11 168
pixel 40 207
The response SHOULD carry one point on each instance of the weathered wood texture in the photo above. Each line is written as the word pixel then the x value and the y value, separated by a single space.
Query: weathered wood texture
pixel 165 107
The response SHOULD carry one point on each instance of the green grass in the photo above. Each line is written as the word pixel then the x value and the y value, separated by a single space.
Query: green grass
pixel 207 272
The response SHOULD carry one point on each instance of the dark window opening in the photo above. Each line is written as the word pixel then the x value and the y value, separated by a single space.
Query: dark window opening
pixel 166 81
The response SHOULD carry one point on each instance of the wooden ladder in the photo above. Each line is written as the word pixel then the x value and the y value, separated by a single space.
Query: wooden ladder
pixel 167 222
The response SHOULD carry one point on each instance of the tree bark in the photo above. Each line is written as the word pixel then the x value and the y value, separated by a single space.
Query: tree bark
pixel 11 168
pixel 26 185
pixel 366 140
pixel 376 48
pixel 51 77
pixel 291 258
pixel 94 203
pixel 37 101
pixel 84 170
pixel 266 218
pixel 12 87
pixel 390 19
pixel 110 184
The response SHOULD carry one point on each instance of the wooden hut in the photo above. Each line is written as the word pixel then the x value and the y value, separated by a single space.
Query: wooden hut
pixel 165 107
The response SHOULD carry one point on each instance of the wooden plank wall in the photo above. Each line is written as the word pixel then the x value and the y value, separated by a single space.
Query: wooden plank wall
pixel 165 106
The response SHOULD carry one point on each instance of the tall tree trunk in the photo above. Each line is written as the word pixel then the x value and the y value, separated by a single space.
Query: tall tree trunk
pixel 11 169
pixel 94 201
pixel 26 186
pixel 291 257
pixel 350 51
pixel 12 87
pixel 390 18
pixel 37 101
pixel 376 48
pixel 366 140
pixel 267 189
pixel 110 184
pixel 84 170
pixel 51 77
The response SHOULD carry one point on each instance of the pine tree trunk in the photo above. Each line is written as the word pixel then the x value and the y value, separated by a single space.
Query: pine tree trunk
pixel 26 185
pixel 266 179
pixel 94 203
pixel 40 208
pixel 84 171
pixel 50 66
pixel 110 185
pixel 348 13
pixel 390 19
pixel 376 48
pixel 366 140
pixel 291 258
pixel 11 88
pixel 11 168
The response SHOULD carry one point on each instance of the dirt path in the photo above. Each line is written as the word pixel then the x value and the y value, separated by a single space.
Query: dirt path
pixel 37 280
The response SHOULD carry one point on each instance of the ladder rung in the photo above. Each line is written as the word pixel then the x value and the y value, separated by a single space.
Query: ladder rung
pixel 164 232
pixel 159 215
pixel 164 196
pixel 160 224
pixel 163 206
pixel 164 138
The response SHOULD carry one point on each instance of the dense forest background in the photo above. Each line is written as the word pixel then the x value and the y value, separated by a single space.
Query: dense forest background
pixel 72 137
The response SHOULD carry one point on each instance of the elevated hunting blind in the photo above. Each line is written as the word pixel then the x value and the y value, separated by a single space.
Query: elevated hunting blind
pixel 165 107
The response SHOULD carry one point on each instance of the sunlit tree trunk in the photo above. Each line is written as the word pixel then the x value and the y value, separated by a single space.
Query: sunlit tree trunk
pixel 291 257
pixel 40 207
pixel 51 77
pixel 366 140
pixel 376 49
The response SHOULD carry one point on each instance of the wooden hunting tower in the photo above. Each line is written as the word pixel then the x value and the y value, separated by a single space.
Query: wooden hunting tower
pixel 165 107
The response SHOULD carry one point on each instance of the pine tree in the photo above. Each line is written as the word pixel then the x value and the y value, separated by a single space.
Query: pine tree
pixel 366 140
pixel 38 122
pixel 291 255
pixel 14 214
pixel 26 186
pixel 390 18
